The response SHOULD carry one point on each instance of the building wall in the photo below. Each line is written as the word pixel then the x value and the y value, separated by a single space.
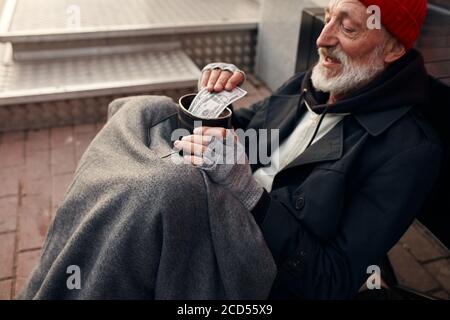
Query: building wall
pixel 278 39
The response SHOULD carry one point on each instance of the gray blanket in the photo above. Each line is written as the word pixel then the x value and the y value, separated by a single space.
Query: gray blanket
pixel 139 226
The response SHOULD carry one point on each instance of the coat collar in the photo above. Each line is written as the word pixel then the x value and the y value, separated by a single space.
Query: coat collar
pixel 283 114
pixel 375 123
pixel 284 111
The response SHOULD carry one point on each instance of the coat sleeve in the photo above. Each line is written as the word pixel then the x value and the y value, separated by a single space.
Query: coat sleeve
pixel 374 220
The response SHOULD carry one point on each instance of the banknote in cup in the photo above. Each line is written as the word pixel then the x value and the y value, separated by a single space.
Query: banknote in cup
pixel 210 105
pixel 187 120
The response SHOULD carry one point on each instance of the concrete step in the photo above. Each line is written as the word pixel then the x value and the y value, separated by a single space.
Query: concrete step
pixel 208 30
pixel 41 21
pixel 64 60
pixel 61 91
pixel 139 69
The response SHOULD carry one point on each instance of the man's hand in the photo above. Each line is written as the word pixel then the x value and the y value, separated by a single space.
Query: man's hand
pixel 195 146
pixel 221 76
pixel 218 152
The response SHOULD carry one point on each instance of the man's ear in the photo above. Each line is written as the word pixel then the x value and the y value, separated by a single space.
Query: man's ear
pixel 394 50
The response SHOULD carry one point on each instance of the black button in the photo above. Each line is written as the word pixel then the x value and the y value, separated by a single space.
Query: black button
pixel 300 203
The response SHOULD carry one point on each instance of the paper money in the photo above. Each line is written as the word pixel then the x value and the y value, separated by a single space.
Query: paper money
pixel 211 105
pixel 195 103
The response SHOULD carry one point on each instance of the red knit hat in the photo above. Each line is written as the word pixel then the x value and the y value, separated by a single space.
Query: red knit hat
pixel 402 18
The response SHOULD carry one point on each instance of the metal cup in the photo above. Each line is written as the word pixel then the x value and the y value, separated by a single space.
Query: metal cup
pixel 188 121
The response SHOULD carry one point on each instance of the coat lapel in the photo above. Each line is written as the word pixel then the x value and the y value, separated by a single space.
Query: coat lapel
pixel 283 115
pixel 329 148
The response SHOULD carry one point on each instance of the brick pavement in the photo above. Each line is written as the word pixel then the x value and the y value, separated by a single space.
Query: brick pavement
pixel 36 168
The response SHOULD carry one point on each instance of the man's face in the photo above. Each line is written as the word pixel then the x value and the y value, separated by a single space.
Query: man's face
pixel 350 53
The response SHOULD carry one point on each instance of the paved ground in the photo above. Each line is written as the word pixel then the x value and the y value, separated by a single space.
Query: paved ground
pixel 36 167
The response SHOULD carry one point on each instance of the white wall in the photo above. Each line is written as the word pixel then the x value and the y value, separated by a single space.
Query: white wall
pixel 278 35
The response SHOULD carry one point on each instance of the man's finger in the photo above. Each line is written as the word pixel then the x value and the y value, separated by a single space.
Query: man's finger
pixel 205 78
pixel 213 79
pixel 199 139
pixel 217 132
pixel 234 81
pixel 190 148
pixel 222 81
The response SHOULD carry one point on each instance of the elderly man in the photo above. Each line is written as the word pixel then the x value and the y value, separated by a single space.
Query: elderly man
pixel 356 161
pixel 355 164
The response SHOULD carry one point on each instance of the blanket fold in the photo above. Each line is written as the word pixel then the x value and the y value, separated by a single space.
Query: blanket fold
pixel 139 226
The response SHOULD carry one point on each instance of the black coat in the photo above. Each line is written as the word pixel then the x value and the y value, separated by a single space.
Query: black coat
pixel 342 204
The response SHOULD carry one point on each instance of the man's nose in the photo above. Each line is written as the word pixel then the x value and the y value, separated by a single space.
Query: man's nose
pixel 327 37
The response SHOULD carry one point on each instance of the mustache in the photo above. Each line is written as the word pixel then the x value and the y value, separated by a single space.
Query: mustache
pixel 333 53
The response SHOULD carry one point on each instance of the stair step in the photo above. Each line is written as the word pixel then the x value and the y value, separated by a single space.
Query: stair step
pixel 65 60
pixel 99 75
pixel 31 21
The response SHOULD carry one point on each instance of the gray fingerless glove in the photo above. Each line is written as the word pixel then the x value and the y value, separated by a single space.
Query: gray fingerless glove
pixel 222 66
pixel 226 163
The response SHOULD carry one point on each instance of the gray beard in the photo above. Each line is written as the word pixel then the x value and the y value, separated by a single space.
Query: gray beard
pixel 352 77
